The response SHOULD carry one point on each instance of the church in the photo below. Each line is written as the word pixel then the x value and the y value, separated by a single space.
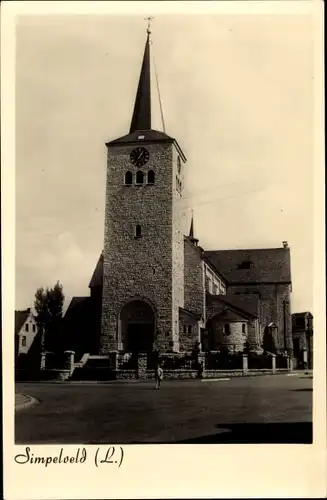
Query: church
pixel 155 288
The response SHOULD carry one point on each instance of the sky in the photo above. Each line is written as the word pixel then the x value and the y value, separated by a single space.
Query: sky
pixel 237 94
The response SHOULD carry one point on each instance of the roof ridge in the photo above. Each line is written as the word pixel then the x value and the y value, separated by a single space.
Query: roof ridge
pixel 234 306
pixel 247 249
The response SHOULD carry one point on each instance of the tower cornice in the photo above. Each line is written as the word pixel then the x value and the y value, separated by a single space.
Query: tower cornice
pixel 150 137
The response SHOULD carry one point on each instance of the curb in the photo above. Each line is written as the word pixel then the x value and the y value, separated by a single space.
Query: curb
pixel 28 404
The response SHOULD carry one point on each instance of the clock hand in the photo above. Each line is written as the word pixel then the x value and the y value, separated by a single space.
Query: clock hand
pixel 140 155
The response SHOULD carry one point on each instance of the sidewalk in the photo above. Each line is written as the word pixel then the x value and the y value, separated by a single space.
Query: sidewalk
pixel 22 402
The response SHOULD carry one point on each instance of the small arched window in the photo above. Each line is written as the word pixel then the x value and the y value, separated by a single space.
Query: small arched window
pixel 138 232
pixel 243 328
pixel 189 329
pixel 151 177
pixel 139 177
pixel 226 329
pixel 128 178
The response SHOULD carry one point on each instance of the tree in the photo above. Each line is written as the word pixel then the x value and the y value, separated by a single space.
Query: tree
pixel 48 305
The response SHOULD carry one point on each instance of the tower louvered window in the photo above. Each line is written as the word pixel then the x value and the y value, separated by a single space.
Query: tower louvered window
pixel 151 177
pixel 139 177
pixel 128 178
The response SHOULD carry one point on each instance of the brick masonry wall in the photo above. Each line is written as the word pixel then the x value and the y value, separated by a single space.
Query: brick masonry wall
pixel 141 267
pixel 187 340
pixel 193 278
pixel 177 248
pixel 253 327
pixel 272 297
pixel 254 333
pixel 235 340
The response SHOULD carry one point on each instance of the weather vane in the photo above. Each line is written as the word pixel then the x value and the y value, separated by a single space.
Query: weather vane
pixel 149 19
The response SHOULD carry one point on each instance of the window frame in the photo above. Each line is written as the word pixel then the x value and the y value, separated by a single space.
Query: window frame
pixel 227 330
pixel 152 174
pixel 137 183
pixel 125 176
pixel 138 231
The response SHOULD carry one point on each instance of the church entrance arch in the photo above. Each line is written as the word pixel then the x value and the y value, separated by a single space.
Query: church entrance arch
pixel 137 326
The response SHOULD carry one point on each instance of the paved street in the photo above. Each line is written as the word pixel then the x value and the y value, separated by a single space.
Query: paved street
pixel 275 409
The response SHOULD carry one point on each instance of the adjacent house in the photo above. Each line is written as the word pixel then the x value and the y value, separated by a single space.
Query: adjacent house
pixel 25 331
pixel 302 329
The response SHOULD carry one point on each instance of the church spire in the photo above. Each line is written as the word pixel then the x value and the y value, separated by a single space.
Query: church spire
pixel 141 119
pixel 191 235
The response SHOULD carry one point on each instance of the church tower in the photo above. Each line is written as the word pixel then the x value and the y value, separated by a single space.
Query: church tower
pixel 143 258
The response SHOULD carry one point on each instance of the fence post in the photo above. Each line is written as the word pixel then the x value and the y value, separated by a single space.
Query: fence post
pixel 273 363
pixel 289 363
pixel 245 363
pixel 114 360
pixel 70 358
pixel 43 360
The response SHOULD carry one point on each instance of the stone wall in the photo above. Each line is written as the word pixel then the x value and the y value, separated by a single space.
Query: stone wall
pixel 234 340
pixel 141 267
pixel 188 335
pixel 272 297
pixel 193 278
pixel 177 249
pixel 254 338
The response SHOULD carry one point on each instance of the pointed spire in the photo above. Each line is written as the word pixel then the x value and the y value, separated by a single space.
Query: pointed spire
pixel 191 235
pixel 141 119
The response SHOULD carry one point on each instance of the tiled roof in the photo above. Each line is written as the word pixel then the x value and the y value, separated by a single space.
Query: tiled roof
pixel 268 265
pixel 247 302
pixel 148 135
pixel 229 315
pixel 20 318
pixel 229 304
pixel 97 276
pixel 77 303
pixel 302 314
pixel 185 313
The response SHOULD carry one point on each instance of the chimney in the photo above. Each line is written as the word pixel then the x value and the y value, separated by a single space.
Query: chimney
pixel 285 244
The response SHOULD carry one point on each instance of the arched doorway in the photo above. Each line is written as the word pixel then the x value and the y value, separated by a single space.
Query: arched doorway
pixel 137 326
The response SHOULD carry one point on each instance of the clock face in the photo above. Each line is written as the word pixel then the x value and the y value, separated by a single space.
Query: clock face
pixel 139 156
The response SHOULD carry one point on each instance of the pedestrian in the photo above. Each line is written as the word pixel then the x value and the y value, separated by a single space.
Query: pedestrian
pixel 200 370
pixel 158 376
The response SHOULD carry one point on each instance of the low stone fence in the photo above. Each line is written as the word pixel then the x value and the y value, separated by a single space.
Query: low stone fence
pixel 136 367
pixel 55 374
pixel 149 375
pixel 30 375
pixel 222 373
